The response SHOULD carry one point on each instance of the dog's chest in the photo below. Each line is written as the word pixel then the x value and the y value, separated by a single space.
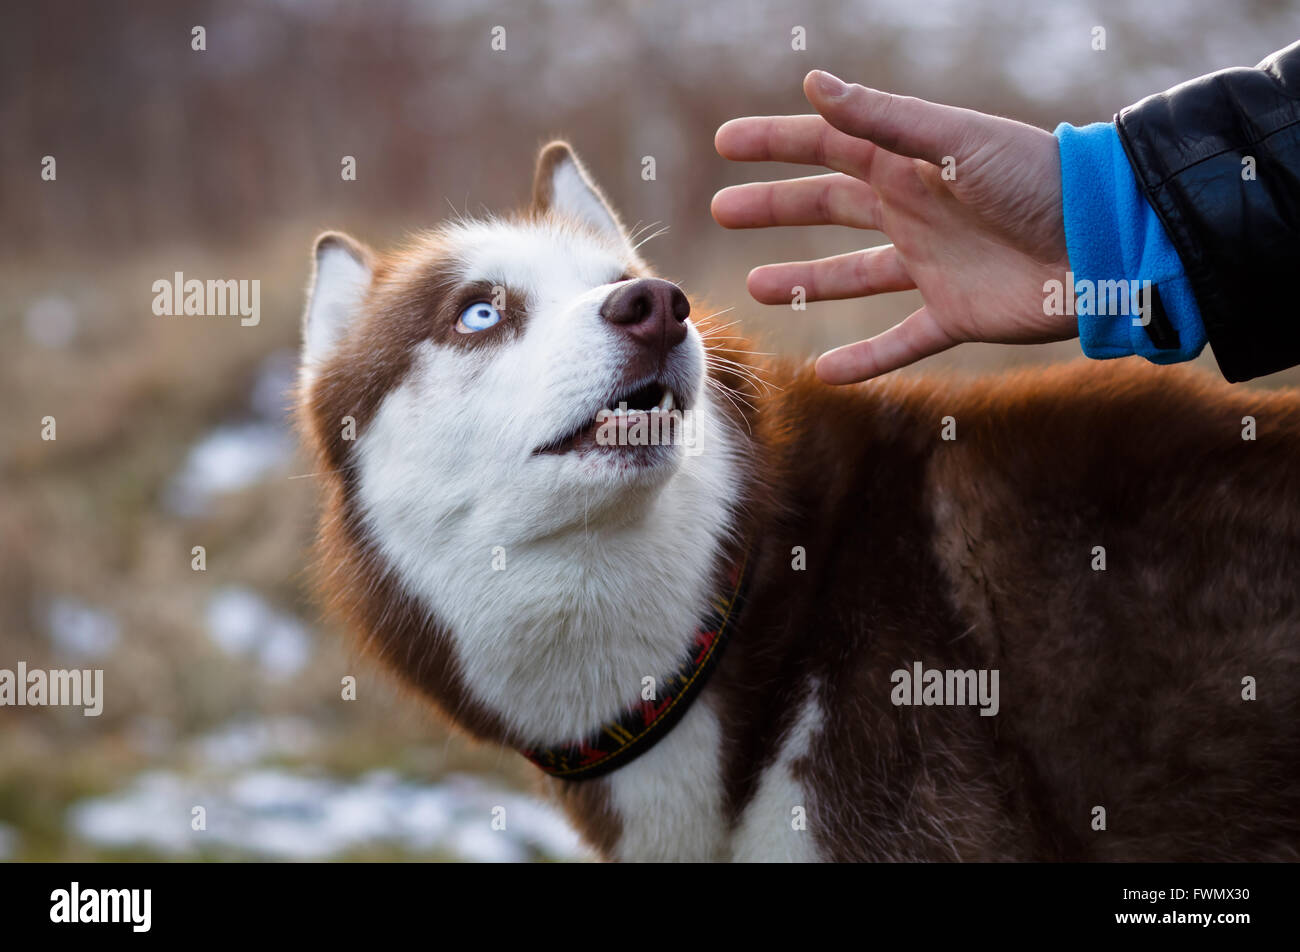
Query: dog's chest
pixel 671 802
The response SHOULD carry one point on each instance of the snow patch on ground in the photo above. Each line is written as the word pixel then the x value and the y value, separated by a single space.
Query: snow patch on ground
pixel 273 813
pixel 241 623
pixel 80 630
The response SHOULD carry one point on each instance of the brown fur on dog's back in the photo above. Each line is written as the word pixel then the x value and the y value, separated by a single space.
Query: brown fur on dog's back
pixel 1120 688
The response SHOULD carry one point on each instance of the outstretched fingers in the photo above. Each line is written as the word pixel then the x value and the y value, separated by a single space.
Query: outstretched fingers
pixel 834 199
pixel 858 274
pixel 898 124
pixel 802 140
pixel 919 335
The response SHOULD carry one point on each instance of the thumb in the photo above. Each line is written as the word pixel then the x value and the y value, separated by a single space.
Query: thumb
pixel 898 124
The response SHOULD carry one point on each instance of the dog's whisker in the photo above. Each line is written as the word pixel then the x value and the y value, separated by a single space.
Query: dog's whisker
pixel 731 390
pixel 718 352
pixel 641 229
pixel 731 397
pixel 650 237
pixel 740 366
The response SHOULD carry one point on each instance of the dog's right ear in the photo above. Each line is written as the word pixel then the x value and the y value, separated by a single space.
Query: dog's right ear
pixel 339 283
pixel 563 184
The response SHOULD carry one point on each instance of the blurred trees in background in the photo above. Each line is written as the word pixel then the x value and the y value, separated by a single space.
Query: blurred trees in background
pixel 156 141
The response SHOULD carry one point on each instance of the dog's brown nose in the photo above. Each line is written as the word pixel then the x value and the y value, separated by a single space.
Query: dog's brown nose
pixel 650 310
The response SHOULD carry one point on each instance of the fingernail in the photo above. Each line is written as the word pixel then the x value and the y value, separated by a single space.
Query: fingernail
pixel 830 86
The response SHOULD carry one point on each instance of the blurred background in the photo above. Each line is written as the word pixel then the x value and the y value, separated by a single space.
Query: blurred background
pixel 223 686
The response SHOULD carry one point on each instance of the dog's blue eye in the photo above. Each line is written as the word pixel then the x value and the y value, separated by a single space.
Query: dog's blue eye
pixel 477 317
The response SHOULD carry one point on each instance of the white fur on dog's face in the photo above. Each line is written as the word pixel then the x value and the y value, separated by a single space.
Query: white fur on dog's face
pixel 563 579
pixel 466 424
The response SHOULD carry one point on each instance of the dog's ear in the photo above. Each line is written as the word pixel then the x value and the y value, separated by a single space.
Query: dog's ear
pixel 563 185
pixel 339 282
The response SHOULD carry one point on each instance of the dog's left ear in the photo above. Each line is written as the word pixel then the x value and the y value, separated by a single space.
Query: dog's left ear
pixel 562 184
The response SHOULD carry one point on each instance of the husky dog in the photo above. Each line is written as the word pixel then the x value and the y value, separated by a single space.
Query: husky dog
pixel 1042 616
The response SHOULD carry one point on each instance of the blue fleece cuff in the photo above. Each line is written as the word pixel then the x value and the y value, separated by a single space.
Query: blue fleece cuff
pixel 1113 235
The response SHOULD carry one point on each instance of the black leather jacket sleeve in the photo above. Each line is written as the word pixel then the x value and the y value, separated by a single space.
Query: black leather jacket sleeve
pixel 1219 160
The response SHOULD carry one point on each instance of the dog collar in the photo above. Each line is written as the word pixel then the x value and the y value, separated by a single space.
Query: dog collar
pixel 645 723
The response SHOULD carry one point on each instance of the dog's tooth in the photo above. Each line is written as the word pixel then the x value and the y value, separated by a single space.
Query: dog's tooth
pixel 667 402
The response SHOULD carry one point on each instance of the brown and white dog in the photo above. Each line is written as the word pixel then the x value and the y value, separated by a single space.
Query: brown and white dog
pixel 1048 615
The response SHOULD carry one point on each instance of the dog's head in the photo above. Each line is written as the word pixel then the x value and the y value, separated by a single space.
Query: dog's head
pixel 488 361
pixel 520 389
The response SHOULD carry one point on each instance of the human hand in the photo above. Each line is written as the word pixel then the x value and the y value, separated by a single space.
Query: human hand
pixel 971 202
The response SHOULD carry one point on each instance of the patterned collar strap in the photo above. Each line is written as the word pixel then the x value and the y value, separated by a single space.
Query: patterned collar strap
pixel 645 723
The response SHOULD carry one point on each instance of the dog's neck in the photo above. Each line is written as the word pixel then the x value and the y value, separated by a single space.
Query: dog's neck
pixel 576 622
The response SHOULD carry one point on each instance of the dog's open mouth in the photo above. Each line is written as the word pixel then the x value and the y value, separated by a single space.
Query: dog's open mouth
pixel 647 415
